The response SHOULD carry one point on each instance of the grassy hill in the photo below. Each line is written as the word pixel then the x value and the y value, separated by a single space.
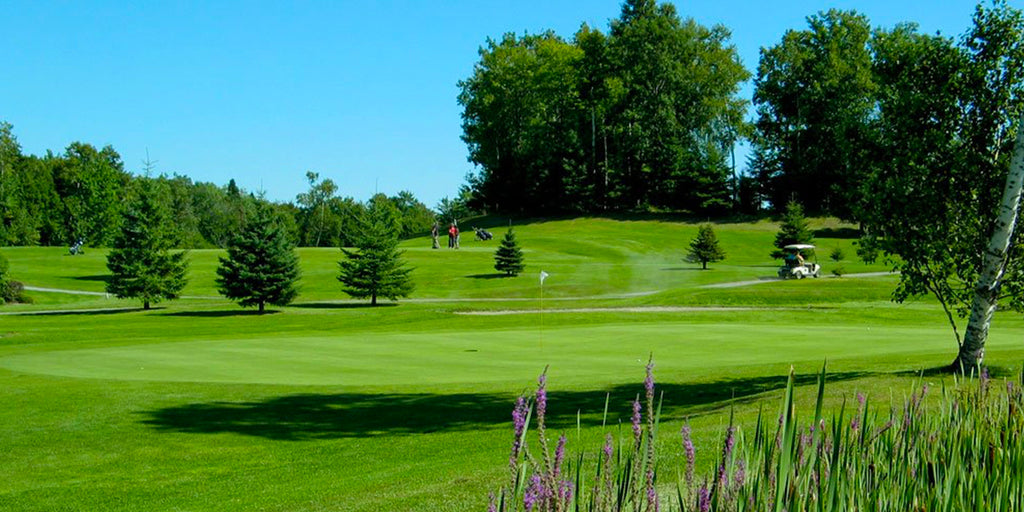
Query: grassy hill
pixel 328 405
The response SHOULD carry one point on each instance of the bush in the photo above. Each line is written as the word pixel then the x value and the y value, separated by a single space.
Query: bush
pixel 837 255
pixel 14 292
pixel 838 271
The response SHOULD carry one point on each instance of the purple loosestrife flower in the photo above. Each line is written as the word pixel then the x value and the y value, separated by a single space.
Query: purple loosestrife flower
pixel 690 454
pixel 704 498
pixel 542 398
pixel 565 490
pixel 740 477
pixel 492 505
pixel 559 455
pixel 535 493
pixel 649 381
pixel 636 421
pixel 608 446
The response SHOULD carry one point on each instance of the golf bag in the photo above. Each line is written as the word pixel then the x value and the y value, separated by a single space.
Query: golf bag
pixel 483 234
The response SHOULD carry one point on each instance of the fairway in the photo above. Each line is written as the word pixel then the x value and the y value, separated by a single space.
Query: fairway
pixel 330 405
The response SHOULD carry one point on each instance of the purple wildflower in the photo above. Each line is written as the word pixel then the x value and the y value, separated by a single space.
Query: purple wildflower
pixel 607 446
pixel 652 494
pixel 636 421
pixel 740 476
pixel 649 380
pixel 559 455
pixel 535 493
pixel 492 505
pixel 690 453
pixel 542 397
pixel 861 399
pixel 565 490
pixel 704 498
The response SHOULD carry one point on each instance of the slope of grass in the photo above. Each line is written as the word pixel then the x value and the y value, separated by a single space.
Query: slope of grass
pixel 200 405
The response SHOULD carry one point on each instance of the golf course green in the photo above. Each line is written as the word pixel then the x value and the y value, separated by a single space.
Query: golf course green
pixel 329 404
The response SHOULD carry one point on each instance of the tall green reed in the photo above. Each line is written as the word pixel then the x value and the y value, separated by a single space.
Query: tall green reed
pixel 964 451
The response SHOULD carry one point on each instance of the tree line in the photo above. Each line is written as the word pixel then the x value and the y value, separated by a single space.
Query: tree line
pixel 82 194
pixel 646 116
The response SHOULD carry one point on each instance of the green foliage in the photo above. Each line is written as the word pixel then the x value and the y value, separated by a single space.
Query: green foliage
pixel 795 229
pixel 643 117
pixel 141 262
pixel 261 266
pixel 508 258
pixel 376 268
pixel 946 125
pixel 837 255
pixel 814 94
pixel 705 248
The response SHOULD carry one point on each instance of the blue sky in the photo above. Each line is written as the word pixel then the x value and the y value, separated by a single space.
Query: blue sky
pixel 362 92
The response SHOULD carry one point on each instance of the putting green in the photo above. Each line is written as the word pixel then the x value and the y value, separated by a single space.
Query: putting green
pixel 577 354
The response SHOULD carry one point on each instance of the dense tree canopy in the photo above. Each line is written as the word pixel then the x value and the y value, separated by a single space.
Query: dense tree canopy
pixel 643 117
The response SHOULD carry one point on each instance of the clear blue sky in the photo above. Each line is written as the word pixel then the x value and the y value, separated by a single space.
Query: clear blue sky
pixel 362 92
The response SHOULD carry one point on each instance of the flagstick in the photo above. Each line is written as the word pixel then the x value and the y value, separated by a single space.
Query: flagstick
pixel 542 315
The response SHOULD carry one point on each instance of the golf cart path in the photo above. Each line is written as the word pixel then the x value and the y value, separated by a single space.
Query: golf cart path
pixel 100 294
pixel 737 284
pixel 637 309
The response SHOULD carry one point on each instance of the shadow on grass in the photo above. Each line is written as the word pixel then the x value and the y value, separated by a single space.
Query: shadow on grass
pixel 995 372
pixel 844 233
pixel 344 305
pixel 83 312
pixel 222 313
pixel 103 278
pixel 673 269
pixel 487 276
pixel 342 415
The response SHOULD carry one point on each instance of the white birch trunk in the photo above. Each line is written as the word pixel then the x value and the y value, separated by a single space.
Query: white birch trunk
pixel 986 293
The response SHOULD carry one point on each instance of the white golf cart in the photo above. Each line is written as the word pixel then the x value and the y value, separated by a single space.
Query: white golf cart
pixel 795 267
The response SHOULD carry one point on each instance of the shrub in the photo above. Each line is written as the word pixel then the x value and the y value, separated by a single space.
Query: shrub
pixel 837 255
pixel 838 271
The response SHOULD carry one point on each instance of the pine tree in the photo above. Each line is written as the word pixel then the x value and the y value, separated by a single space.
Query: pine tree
pixel 795 229
pixel 142 263
pixel 261 267
pixel 509 257
pixel 376 269
pixel 705 249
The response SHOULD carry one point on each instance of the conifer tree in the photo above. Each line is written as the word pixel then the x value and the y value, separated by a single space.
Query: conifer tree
pixel 376 268
pixel 509 257
pixel 142 262
pixel 705 249
pixel 795 229
pixel 261 267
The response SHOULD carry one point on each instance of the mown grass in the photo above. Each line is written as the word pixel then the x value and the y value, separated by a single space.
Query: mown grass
pixel 327 405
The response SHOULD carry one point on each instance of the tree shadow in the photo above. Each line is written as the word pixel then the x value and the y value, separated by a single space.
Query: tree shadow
pixel 673 269
pixel 83 312
pixel 104 278
pixel 843 233
pixel 222 313
pixel 347 415
pixel 343 305
pixel 495 275
pixel 995 372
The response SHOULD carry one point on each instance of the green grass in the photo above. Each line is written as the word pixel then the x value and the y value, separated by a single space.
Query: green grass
pixel 327 405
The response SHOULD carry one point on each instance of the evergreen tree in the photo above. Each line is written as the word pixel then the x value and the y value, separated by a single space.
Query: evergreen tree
pixel 376 268
pixel 705 249
pixel 142 263
pixel 794 229
pixel 261 267
pixel 509 257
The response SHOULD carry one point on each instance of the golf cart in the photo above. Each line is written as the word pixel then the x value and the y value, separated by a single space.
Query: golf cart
pixel 795 266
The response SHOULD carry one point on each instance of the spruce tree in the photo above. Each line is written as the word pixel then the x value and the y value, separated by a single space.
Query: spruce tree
pixel 142 262
pixel 705 249
pixel 376 268
pixel 261 267
pixel 509 257
pixel 795 229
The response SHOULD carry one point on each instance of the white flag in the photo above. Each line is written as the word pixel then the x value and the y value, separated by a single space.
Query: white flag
pixel 543 276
